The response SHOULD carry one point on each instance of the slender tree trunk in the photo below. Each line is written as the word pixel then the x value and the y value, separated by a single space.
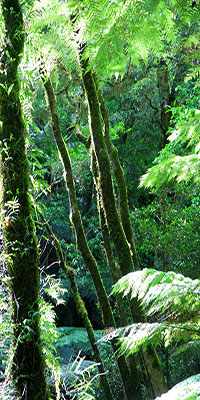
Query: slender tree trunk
pixel 104 173
pixel 112 217
pixel 119 175
pixel 150 359
pixel 134 377
pixel 166 100
pixel 81 310
pixel 81 240
pixel 106 193
pixel 82 244
pixel 20 244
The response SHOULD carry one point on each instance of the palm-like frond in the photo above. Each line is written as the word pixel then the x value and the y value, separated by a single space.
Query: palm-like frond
pixel 113 30
pixel 188 131
pixel 181 168
pixel 169 299
pixel 140 335
pixel 165 295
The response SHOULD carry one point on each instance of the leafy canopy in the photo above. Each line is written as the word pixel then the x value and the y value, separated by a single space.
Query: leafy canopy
pixel 113 30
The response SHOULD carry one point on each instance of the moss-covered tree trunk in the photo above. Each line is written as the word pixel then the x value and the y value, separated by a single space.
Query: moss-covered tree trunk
pixel 90 262
pixel 105 188
pixel 166 98
pixel 104 172
pixel 81 310
pixel 20 244
pixel 134 376
pixel 75 216
pixel 119 174
pixel 113 219
pixel 108 246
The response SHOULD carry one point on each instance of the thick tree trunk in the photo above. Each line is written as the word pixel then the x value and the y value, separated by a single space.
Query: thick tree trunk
pixel 20 244
pixel 152 365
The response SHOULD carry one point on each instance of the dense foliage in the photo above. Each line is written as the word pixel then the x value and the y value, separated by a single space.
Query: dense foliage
pixel 109 109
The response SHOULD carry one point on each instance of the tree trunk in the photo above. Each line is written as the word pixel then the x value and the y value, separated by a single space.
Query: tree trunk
pixel 20 244
pixel 152 365
pixel 134 377
pixel 104 174
pixel 112 217
pixel 119 175
pixel 81 310
pixel 75 217
pixel 165 98
pixel 82 244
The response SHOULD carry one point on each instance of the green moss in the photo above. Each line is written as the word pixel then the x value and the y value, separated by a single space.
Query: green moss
pixel 27 368
pixel 104 172
pixel 81 240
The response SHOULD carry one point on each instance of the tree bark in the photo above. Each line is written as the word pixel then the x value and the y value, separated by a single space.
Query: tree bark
pixel 107 198
pixel 27 370
pixel 82 244
pixel 134 377
pixel 105 183
pixel 115 273
pixel 119 175
pixel 166 98
pixel 116 230
pixel 81 310
pixel 75 217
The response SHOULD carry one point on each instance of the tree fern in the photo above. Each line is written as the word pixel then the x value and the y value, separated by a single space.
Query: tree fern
pixel 170 301
pixel 113 30
pixel 158 291
pixel 50 35
pixel 171 166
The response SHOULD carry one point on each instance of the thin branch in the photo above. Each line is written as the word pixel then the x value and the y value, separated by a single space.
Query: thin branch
pixel 150 102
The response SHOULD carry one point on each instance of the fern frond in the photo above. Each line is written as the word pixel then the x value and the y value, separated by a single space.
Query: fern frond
pixel 139 336
pixel 164 295
pixel 113 30
pixel 135 336
pixel 51 36
pixel 180 168
pixel 170 299
pixel 188 131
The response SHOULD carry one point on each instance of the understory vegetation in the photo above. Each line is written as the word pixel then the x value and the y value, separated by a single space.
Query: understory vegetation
pixel 99 200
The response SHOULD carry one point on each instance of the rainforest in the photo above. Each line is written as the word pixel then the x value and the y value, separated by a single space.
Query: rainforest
pixel 99 199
